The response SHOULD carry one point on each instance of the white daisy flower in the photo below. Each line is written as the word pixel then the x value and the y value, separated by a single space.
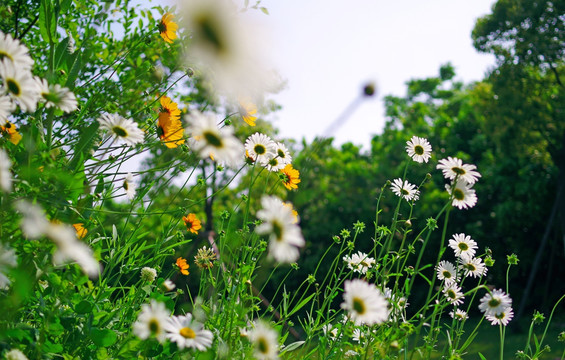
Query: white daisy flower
pixel 8 260
pixel 472 266
pixel 58 96
pixel 148 274
pixel 463 196
pixel 359 262
pixel 5 174
pixel 260 148
pixel 463 245
pixel 405 190
pixel 454 168
pixel 453 294
pixel 34 225
pixel 459 314
pixel 151 321
pixel 7 107
pixel 285 236
pixel 446 272
pixel 351 353
pixel 419 149
pixel 210 141
pixel 129 186
pixel 19 85
pixel 501 318
pixel 15 51
pixel 225 49
pixel 264 340
pixel 358 335
pixel 364 302
pixel 188 333
pixel 15 354
pixel 281 159
pixel 495 302
pixel 125 130
pixel 330 331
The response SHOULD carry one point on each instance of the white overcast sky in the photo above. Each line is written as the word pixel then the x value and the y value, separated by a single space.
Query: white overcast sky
pixel 327 50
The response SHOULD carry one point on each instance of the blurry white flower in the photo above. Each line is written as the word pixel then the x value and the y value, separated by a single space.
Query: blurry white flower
pixel 15 354
pixel 7 107
pixel 264 340
pixel 129 186
pixel 5 174
pixel 330 331
pixel 56 95
pixel 224 49
pixel 285 236
pixel 151 321
pixel 148 274
pixel 168 285
pixel 8 260
pixel 210 141
pixel 419 149
pixel 125 130
pixel 364 302
pixel 15 52
pixel 188 333
pixel 34 224
pixel 19 85
pixel 281 158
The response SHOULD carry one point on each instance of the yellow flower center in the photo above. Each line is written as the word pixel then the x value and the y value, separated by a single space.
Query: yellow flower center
pixel 493 303
pixel 154 326
pixel 458 170
pixel 260 149
pixel 418 150
pixel 120 131
pixel 209 30
pixel 263 346
pixel 463 247
pixel 13 87
pixel 278 230
pixel 358 305
pixel 458 194
pixel 446 274
pixel 187 333
pixel 212 139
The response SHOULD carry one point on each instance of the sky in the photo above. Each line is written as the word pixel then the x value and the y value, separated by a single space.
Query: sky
pixel 327 51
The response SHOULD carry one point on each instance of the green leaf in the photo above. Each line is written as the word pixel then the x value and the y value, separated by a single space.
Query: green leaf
pixel 83 307
pixel 264 10
pixel 84 145
pixel 293 346
pixel 61 52
pixel 301 304
pixel 482 357
pixel 47 20
pixel 103 338
pixel 74 63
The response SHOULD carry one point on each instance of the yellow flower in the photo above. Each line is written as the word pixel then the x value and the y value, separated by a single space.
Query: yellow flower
pixel 247 110
pixel 182 266
pixel 80 230
pixel 168 28
pixel 291 177
pixel 11 132
pixel 169 127
pixel 192 223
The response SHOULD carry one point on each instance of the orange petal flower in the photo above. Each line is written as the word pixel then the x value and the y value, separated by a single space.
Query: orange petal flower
pixel 168 28
pixel 11 132
pixel 182 266
pixel 291 177
pixel 80 230
pixel 192 223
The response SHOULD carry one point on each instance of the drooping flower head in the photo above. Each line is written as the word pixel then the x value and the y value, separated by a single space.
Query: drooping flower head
pixel 459 314
pixel 285 237
pixel 121 129
pixel 419 149
pixel 151 321
pixel 405 190
pixel 291 177
pixel 168 28
pixel 454 168
pixel 129 186
pixel 192 223
pixel 188 333
pixel 364 303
